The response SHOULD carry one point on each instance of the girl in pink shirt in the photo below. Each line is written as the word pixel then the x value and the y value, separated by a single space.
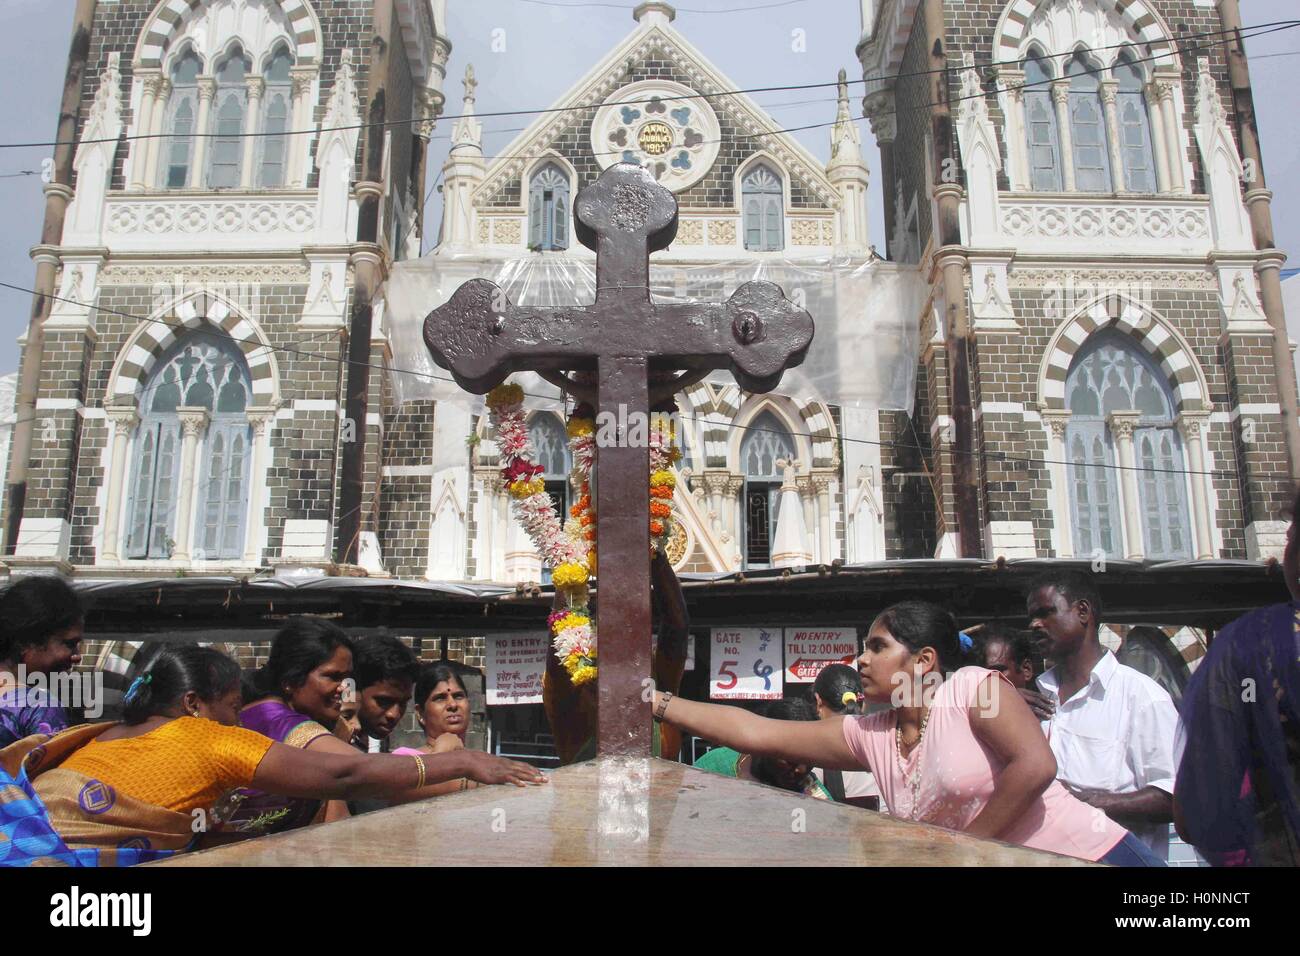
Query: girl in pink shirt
pixel 958 748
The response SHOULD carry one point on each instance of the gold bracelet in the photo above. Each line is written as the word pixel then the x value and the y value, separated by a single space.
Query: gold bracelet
pixel 464 783
pixel 419 767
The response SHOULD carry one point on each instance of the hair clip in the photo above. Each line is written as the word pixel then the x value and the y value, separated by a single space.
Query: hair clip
pixel 134 689
pixel 965 639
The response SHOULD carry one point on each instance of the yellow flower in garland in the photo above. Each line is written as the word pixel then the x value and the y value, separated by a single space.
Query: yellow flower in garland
pixel 663 479
pixel 571 620
pixel 526 489
pixel 581 669
pixel 569 575
pixel 507 393
pixel 578 427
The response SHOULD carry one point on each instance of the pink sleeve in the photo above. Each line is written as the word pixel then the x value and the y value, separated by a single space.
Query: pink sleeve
pixel 968 681
pixel 862 735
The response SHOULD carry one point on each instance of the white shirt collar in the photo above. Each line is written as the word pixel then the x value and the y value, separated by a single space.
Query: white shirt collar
pixel 1101 675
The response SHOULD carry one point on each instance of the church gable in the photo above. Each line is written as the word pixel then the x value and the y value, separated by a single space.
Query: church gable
pixel 720 131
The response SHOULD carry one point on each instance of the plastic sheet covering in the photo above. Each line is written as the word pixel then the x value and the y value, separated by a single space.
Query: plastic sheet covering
pixel 863 355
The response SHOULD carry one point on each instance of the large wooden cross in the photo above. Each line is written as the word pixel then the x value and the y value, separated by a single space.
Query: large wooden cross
pixel 481 338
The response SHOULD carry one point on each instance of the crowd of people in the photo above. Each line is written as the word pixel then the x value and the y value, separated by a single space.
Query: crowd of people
pixel 205 753
pixel 1086 757
pixel 1036 736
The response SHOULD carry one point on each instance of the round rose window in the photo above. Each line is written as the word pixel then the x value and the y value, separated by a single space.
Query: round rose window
pixel 663 126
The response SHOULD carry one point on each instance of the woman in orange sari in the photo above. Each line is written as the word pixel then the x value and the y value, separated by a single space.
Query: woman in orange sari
pixel 117 794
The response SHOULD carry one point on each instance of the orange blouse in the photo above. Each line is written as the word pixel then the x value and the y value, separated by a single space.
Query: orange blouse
pixel 186 763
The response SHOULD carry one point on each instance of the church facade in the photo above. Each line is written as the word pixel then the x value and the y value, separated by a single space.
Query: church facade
pixel 214 245
pixel 212 387
pixel 1106 371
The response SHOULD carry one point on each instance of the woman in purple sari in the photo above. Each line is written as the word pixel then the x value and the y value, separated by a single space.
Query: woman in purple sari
pixel 296 699
pixel 1237 794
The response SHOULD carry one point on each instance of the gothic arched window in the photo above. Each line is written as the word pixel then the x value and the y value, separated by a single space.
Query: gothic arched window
pixel 1087 128
pixel 1040 122
pixel 548 209
pixel 762 200
pixel 1111 374
pixel 766 442
pixel 182 113
pixel 229 110
pixel 1134 128
pixel 203 370
pixel 274 143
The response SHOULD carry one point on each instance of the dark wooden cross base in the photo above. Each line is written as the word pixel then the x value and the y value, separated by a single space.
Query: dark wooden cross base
pixel 481 338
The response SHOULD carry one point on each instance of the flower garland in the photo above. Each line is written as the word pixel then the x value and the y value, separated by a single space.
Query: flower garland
pixel 570 548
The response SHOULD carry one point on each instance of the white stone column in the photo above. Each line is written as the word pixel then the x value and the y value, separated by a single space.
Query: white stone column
pixel 733 521
pixel 149 85
pixel 1193 426
pixel 1158 145
pixel 826 543
pixel 253 122
pixel 157 120
pixel 122 421
pixel 260 417
pixel 1061 101
pixel 715 485
pixel 1109 92
pixel 199 156
pixel 501 509
pixel 194 422
pixel 1059 456
pixel 1122 425
pixel 808 498
pixel 1013 81
pixel 303 78
pixel 1169 117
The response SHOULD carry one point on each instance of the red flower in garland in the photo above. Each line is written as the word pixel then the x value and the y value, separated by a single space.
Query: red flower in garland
pixel 520 470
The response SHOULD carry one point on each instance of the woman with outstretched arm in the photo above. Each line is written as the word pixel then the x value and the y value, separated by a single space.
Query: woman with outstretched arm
pixel 957 748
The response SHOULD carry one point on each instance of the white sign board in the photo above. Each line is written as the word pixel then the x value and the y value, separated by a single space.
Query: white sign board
pixel 515 664
pixel 746 664
pixel 807 651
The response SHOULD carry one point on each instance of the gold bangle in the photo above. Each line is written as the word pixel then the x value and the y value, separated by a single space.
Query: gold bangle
pixel 464 783
pixel 419 767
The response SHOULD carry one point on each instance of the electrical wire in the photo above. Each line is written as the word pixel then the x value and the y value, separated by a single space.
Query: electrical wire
pixel 1244 33
pixel 999 457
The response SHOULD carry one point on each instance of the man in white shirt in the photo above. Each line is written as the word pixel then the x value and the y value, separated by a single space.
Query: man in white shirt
pixel 1111 727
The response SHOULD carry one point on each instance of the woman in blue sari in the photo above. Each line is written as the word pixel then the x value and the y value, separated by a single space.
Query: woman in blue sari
pixel 1237 794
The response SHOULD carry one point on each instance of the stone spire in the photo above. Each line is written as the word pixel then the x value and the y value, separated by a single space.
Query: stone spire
pixel 467 134
pixel 790 545
pixel 846 143
pixel 462 172
pixel 849 174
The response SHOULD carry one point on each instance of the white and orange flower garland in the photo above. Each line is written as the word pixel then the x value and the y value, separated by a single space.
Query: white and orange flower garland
pixel 570 548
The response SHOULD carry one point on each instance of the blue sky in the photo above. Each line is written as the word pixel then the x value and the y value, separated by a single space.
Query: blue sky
pixel 541 50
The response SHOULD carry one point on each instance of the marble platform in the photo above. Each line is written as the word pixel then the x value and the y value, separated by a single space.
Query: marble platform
pixel 630 812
